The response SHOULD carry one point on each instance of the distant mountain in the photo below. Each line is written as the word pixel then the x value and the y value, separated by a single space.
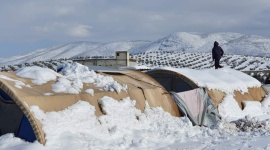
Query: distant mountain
pixel 74 50
pixel 232 43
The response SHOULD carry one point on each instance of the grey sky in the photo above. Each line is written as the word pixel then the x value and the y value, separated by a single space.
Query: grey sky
pixel 27 25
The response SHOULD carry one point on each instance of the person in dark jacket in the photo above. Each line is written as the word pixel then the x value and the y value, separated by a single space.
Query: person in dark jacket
pixel 217 53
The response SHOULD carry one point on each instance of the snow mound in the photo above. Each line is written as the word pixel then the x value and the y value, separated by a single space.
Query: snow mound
pixel 76 74
pixel 38 75
pixel 122 127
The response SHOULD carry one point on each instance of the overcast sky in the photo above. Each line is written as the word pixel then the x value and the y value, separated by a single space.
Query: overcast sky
pixel 26 25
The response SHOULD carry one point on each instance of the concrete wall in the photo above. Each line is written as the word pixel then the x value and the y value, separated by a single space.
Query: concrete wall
pixel 121 59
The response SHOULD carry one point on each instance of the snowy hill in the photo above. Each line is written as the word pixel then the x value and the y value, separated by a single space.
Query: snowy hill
pixel 71 50
pixel 232 43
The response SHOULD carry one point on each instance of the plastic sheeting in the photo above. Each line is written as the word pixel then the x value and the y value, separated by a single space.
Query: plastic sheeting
pixel 266 88
pixel 197 106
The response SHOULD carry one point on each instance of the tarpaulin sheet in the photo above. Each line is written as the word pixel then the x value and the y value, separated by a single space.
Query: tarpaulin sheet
pixel 197 106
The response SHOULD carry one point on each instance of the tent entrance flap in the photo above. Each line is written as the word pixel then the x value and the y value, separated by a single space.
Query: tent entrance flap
pixel 10 117
pixel 197 106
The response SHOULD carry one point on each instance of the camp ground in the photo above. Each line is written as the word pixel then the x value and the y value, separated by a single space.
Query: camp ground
pixel 205 96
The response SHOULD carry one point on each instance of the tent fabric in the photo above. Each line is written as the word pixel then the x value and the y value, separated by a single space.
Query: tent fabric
pixel 25 131
pixel 254 94
pixel 141 87
pixel 10 117
pixel 197 106
pixel 5 97
pixel 13 119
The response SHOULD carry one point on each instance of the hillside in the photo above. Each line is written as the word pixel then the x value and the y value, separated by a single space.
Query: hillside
pixel 177 59
pixel 232 43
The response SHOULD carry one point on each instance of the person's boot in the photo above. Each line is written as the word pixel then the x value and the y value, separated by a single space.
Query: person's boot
pixel 220 66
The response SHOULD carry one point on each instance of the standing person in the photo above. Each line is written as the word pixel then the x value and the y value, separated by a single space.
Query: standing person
pixel 217 53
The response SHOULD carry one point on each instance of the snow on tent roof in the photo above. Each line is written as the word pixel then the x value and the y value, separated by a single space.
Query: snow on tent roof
pixel 218 82
pixel 225 79
pixel 69 88
pixel 136 67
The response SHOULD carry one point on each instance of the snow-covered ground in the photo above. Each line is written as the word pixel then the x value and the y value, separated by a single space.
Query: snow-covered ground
pixel 125 127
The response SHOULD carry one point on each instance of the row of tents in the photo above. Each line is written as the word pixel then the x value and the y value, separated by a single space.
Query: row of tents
pixel 174 92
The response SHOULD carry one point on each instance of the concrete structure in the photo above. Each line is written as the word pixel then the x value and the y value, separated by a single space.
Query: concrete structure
pixel 121 59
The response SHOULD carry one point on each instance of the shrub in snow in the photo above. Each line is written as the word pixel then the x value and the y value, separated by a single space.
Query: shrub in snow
pixel 248 124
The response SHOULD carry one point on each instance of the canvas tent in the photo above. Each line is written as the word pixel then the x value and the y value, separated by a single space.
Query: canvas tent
pixel 16 116
pixel 179 81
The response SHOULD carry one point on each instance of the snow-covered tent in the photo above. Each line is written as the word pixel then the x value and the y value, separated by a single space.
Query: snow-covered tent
pixel 216 83
pixel 27 88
